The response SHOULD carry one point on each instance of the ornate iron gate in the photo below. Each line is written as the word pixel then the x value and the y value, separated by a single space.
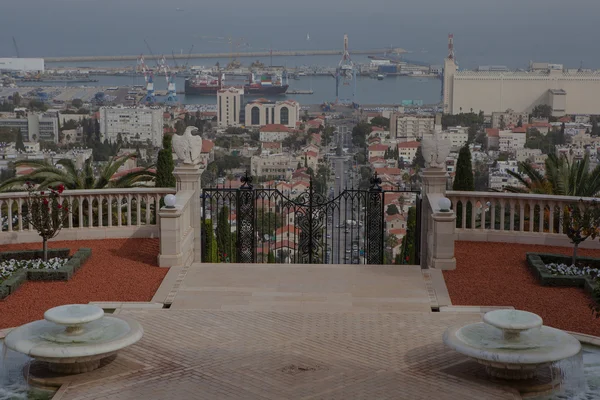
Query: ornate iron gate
pixel 250 225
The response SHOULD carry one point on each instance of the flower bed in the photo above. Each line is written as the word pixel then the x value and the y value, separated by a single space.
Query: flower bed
pixel 553 270
pixel 26 265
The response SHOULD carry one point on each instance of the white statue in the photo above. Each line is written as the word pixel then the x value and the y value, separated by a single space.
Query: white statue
pixel 188 147
pixel 435 151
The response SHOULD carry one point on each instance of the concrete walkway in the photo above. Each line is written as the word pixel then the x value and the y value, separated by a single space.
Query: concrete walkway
pixel 304 288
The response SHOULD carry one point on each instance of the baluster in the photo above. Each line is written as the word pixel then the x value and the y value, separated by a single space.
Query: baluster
pixel 100 206
pixel 119 211
pixel 561 216
pixel 541 222
pixel 10 219
pixel 148 209
pixel 90 212
pixel 156 207
pixel 513 205
pixel 473 212
pixel 128 209
pixel 492 214
pixel 2 225
pixel 110 209
pixel 551 218
pixel 502 212
pixel 483 212
pixel 463 212
pixel 138 201
pixel 20 214
pixel 70 216
pixel 531 216
pixel 80 204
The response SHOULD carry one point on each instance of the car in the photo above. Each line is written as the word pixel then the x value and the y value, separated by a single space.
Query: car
pixel 328 236
pixel 337 177
pixel 348 250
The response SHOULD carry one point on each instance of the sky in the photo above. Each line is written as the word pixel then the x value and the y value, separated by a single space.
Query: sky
pixel 487 32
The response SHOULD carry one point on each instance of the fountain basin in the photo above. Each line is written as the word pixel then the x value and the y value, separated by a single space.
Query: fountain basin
pixel 86 341
pixel 514 345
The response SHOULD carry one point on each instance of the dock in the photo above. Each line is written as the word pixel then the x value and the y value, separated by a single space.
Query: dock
pixel 283 53
pixel 299 92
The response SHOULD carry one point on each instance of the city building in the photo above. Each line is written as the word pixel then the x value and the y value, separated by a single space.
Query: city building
pixel 132 124
pixel 511 141
pixel 271 148
pixel 230 110
pixel 523 155
pixel 499 178
pixel 262 112
pixel 273 133
pixel 407 128
pixel 33 126
pixel 458 136
pixel 377 150
pixel 273 165
pixel 509 117
pixel 408 150
pixel 565 91
pixel 492 136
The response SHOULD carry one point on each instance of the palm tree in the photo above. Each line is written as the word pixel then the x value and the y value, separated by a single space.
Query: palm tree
pixel 45 174
pixel 562 178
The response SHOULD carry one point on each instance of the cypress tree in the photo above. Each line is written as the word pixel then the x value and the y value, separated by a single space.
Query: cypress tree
pixel 271 258
pixel 19 145
pixel 210 251
pixel 165 165
pixel 463 179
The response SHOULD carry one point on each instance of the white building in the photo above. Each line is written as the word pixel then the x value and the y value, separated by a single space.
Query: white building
pixel 34 126
pixel 230 107
pixel 528 154
pixel 458 136
pixel 262 112
pixel 273 165
pixel 511 141
pixel 499 178
pixel 565 91
pixel 408 150
pixel 133 124
pixel 273 133
pixel 407 128
pixel 22 64
pixel 509 117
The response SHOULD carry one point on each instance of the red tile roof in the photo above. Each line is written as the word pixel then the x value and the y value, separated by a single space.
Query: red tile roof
pixel 492 132
pixel 315 122
pixel 398 232
pixel 520 130
pixel 271 145
pixel 274 128
pixel 311 154
pixel 377 128
pixel 565 119
pixel 388 171
pixel 409 145
pixel 394 217
pixel 378 147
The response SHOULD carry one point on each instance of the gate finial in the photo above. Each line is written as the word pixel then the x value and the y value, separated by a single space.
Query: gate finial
pixel 246 181
pixel 375 182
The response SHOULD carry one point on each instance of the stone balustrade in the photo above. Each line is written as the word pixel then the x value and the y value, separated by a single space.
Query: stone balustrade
pixel 95 214
pixel 177 232
pixel 513 217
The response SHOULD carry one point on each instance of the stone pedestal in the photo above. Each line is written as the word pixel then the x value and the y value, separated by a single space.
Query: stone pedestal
pixel 441 254
pixel 188 178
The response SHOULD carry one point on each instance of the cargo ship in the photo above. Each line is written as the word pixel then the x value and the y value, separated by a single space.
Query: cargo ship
pixel 268 84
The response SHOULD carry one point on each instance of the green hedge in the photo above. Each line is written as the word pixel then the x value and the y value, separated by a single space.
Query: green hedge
pixel 537 264
pixel 64 273
pixel 33 254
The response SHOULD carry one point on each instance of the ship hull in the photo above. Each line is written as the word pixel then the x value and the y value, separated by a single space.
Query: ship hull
pixel 194 90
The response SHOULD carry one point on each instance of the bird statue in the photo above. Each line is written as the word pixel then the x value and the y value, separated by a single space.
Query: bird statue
pixel 435 151
pixel 188 146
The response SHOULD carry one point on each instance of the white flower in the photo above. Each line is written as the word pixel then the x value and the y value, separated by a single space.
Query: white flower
pixel 564 269
pixel 8 267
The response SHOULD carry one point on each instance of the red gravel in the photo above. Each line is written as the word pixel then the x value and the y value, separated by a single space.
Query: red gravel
pixel 496 274
pixel 118 270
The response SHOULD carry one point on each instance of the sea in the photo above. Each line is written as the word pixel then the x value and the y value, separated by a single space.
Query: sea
pixel 510 32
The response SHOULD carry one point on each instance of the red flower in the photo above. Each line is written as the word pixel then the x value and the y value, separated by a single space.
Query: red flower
pixel 60 188
pixel 42 193
pixel 66 208
pixel 59 206
pixel 46 201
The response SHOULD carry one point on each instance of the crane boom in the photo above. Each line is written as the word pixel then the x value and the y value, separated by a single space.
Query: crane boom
pixel 175 62
pixel 188 57
pixel 16 47
pixel 152 54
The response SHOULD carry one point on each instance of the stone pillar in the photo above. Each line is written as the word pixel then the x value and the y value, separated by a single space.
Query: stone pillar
pixel 170 253
pixel 441 254
pixel 188 178
pixel 434 187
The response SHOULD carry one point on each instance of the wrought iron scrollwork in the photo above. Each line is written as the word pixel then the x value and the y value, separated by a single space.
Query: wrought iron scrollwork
pixel 375 228
pixel 246 237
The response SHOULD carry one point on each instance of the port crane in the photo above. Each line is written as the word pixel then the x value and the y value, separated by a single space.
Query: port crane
pixel 346 73
pixel 148 77
pixel 170 77
pixel 16 47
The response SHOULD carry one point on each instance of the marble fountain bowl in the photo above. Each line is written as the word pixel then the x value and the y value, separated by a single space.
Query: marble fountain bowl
pixel 512 344
pixel 75 338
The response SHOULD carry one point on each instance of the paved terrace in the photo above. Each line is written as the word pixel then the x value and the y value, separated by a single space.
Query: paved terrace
pixel 289 332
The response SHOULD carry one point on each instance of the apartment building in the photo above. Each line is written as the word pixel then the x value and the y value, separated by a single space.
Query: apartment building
pixel 407 128
pixel 33 126
pixel 273 133
pixel 458 136
pixel 501 120
pixel 230 109
pixel 408 150
pixel 132 124
pixel 511 141
pixel 273 165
